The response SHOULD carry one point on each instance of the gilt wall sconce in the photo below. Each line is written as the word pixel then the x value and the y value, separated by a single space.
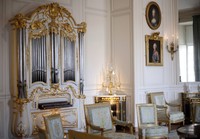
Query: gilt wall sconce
pixel 172 47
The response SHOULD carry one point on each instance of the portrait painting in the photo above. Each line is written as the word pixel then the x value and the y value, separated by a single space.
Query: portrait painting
pixel 154 50
pixel 153 15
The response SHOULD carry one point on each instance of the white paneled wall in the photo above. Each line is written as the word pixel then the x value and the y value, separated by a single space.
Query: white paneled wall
pixel 155 78
pixel 97 45
pixel 4 74
pixel 122 47
pixel 117 5
pixel 116 32
pixel 1 49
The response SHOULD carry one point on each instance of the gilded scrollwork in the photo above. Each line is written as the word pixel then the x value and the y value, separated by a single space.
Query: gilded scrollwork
pixel 21 129
pixel 60 17
pixel 20 105
pixel 73 115
pixel 76 95
pixel 70 35
pixel 83 27
pixel 66 114
pixel 19 21
pixel 35 35
pixel 38 24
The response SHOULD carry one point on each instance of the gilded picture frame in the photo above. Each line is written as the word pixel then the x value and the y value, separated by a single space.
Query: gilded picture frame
pixel 153 15
pixel 154 49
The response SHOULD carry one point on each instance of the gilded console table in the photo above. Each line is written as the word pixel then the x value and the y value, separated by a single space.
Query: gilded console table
pixel 188 102
pixel 118 104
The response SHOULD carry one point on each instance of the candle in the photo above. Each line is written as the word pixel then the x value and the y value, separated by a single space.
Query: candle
pixel 166 39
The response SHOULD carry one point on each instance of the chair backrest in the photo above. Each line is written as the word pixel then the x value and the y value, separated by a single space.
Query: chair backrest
pixel 158 98
pixel 146 115
pixel 81 135
pixel 98 114
pixel 54 126
pixel 196 113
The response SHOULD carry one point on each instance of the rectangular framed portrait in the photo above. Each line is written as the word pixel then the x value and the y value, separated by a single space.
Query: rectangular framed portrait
pixel 154 50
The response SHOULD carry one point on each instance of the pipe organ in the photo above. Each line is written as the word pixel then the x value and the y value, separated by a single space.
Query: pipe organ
pixel 47 68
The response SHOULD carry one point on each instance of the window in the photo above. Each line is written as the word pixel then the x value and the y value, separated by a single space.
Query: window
pixel 186 54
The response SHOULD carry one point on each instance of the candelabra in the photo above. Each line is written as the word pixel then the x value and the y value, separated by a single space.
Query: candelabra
pixel 111 81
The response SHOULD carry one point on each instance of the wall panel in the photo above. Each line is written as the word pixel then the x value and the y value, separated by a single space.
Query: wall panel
pixel 95 49
pixel 97 5
pixel 117 5
pixel 153 76
pixel 121 47
pixel 1 48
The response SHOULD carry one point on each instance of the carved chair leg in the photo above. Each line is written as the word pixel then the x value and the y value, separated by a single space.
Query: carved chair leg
pixel 131 130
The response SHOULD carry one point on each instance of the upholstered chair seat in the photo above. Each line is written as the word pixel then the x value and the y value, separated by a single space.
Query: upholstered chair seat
pixel 116 135
pixel 99 120
pixel 153 131
pixel 147 122
pixel 173 116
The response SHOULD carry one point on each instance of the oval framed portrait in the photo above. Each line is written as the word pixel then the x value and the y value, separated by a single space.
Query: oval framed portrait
pixel 153 15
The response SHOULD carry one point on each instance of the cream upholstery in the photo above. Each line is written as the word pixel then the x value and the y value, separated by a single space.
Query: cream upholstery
pixel 163 111
pixel 153 131
pixel 99 120
pixel 116 135
pixel 53 128
pixel 147 122
pixel 101 117
pixel 147 119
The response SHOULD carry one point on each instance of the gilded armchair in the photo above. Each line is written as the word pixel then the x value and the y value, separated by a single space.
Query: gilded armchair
pixel 53 128
pixel 165 114
pixel 99 120
pixel 147 122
